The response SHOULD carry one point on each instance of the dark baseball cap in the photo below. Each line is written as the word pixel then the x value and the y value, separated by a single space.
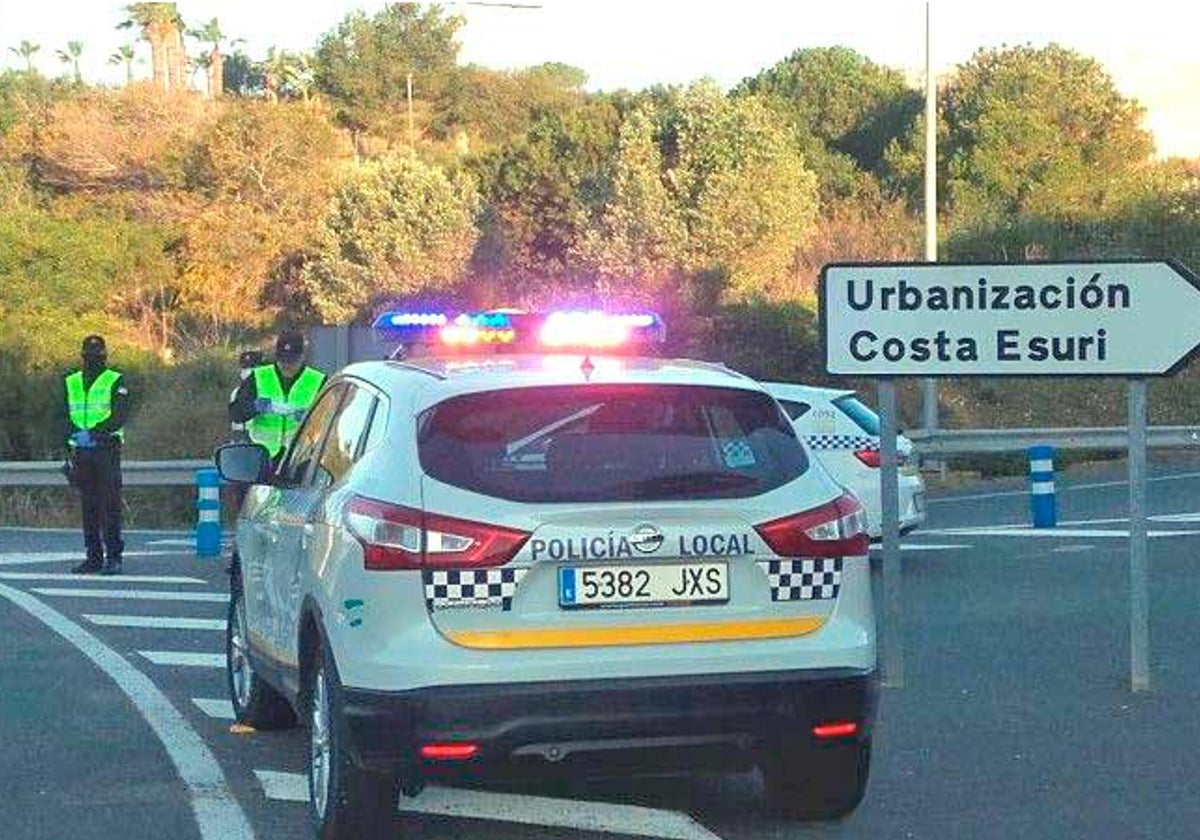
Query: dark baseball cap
pixel 289 347
pixel 250 358
pixel 94 347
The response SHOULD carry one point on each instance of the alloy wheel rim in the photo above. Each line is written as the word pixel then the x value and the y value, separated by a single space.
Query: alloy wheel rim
pixel 239 659
pixel 321 747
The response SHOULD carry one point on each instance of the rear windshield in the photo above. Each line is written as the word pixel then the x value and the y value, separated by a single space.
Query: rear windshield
pixel 611 443
pixel 862 415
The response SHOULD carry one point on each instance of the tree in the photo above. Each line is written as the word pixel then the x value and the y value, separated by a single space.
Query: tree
pixel 747 198
pixel 394 226
pixel 71 56
pixel 211 35
pixel 498 107
pixel 275 158
pixel 275 69
pixel 124 55
pixel 162 26
pixel 639 244
pixel 299 78
pixel 243 76
pixel 544 191
pixel 849 102
pixel 202 64
pixel 27 50
pixel 362 65
pixel 1041 131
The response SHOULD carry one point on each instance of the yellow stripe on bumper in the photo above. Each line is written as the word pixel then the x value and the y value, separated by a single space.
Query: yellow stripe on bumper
pixel 657 634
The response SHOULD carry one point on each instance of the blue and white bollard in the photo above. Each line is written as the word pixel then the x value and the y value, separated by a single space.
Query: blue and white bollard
pixel 1042 499
pixel 208 510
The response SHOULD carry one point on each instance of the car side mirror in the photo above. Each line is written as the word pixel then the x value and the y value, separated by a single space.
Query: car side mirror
pixel 243 463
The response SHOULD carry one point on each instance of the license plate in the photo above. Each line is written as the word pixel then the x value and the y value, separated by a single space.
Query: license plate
pixel 638 586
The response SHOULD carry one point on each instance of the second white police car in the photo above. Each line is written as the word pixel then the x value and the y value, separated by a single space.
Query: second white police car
pixel 843 433
pixel 540 548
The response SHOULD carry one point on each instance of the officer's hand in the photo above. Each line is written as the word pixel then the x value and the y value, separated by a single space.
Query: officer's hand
pixel 262 406
pixel 83 439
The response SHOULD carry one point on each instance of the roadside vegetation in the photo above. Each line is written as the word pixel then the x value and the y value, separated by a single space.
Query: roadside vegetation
pixel 194 213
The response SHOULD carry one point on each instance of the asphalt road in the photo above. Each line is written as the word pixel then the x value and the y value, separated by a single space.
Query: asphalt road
pixel 1015 719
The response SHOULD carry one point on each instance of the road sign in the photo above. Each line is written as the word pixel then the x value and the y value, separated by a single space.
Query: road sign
pixel 1133 318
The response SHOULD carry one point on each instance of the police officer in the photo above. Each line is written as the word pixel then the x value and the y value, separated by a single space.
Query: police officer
pixel 274 398
pixel 247 362
pixel 97 403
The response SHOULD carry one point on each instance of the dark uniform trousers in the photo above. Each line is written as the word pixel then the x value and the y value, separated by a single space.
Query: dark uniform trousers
pixel 98 476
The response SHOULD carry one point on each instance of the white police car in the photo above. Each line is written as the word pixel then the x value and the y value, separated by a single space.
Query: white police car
pixel 550 560
pixel 843 432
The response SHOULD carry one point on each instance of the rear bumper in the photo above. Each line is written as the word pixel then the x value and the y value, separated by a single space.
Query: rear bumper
pixel 588 727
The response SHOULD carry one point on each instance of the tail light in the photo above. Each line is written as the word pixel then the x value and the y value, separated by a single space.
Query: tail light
pixel 870 457
pixel 874 458
pixel 838 529
pixel 456 751
pixel 395 537
pixel 835 729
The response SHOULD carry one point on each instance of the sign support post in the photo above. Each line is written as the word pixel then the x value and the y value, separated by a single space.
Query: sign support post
pixel 892 635
pixel 1139 571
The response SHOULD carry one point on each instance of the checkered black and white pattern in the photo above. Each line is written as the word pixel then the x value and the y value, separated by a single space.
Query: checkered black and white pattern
pixel 804 580
pixel 828 442
pixel 460 588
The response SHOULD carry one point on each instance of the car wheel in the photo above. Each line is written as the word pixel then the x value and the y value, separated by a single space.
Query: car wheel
pixel 345 801
pixel 818 783
pixel 255 703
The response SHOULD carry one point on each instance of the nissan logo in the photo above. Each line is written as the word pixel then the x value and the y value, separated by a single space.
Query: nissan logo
pixel 646 539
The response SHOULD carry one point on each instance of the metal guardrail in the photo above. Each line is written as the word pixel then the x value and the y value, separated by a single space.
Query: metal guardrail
pixel 939 444
pixel 985 441
pixel 133 473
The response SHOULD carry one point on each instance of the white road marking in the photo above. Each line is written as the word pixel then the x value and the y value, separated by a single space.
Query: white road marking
pixel 1058 533
pixel 185 659
pixel 1072 549
pixel 905 546
pixel 1069 488
pixel 218 815
pixel 219 709
pixel 1176 517
pixel 179 543
pixel 29 558
pixel 135 595
pixel 156 622
pixel 64 576
pixel 600 817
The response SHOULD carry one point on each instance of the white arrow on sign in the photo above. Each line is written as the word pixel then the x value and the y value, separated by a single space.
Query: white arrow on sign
pixel 1032 319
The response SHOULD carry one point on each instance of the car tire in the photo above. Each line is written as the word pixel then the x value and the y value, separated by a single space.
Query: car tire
pixel 255 702
pixel 345 801
pixel 823 782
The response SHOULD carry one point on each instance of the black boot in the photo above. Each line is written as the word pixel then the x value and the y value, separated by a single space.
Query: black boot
pixel 88 567
pixel 112 566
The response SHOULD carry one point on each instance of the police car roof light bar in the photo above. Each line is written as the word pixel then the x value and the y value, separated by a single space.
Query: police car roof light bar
pixel 558 330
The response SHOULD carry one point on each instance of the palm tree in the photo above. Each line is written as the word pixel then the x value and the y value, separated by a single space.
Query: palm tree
pixel 199 63
pixel 124 55
pixel 299 77
pixel 71 56
pixel 162 26
pixel 26 51
pixel 211 34
pixel 276 67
